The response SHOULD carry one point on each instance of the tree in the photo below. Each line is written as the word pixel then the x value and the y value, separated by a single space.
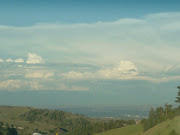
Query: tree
pixel 160 115
pixel 152 118
pixel 12 131
pixel 1 133
pixel 178 97
pixel 1 124
pixel 7 126
pixel 168 108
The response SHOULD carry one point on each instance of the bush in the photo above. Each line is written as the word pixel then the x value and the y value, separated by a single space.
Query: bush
pixel 173 132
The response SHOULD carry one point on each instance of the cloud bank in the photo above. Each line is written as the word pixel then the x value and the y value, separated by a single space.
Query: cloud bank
pixel 126 49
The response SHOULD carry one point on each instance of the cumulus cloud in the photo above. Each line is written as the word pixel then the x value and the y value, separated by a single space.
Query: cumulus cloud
pixel 78 75
pixel 150 44
pixel 1 60
pixel 19 66
pixel 124 70
pixel 17 85
pixel 9 60
pixel 62 86
pixel 39 74
pixel 10 84
pixel 14 85
pixel 34 85
pixel 20 60
pixel 79 42
pixel 34 59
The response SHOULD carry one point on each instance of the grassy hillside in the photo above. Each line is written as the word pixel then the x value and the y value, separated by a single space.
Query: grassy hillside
pixel 128 130
pixel 165 128
pixel 52 121
pixel 42 119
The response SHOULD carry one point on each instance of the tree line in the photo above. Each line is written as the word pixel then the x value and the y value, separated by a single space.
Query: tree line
pixel 161 114
pixel 68 124
pixel 7 130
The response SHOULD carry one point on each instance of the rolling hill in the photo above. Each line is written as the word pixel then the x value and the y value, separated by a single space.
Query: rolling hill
pixel 128 130
pixel 27 120
pixel 46 121
pixel 164 128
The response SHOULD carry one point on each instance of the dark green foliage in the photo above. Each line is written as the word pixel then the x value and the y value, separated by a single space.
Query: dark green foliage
pixel 178 97
pixel 66 125
pixel 7 126
pixel 173 132
pixel 12 131
pixel 157 116
pixel 1 124
pixel 7 130
pixel 161 114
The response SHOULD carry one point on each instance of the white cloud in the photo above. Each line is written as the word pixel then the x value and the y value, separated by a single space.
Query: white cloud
pixel 15 85
pixel 124 70
pixel 78 75
pixel 20 60
pixel 18 85
pixel 19 66
pixel 1 60
pixel 157 80
pixel 10 84
pixel 9 60
pixel 62 86
pixel 39 74
pixel 34 85
pixel 34 59
pixel 151 42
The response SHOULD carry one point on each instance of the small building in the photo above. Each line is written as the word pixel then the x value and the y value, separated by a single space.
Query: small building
pixel 36 134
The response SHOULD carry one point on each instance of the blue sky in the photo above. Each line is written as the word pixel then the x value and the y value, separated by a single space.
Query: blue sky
pixel 89 52
pixel 24 13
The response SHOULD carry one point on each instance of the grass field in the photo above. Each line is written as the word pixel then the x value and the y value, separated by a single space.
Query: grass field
pixel 11 115
pixel 128 130
pixel 163 128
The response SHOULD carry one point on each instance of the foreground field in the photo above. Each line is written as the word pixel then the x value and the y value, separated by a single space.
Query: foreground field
pixel 164 128
pixel 128 130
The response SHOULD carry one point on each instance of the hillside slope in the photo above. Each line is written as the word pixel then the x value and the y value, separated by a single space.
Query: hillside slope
pixel 128 130
pixel 165 128
pixel 44 120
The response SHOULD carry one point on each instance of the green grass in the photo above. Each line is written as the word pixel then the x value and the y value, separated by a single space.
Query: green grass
pixel 128 130
pixel 12 115
pixel 165 128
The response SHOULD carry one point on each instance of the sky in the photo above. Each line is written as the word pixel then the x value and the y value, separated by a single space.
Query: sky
pixel 93 52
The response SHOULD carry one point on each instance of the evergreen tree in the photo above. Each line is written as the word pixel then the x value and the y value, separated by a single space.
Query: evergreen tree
pixel 178 97
pixel 152 117
pixel 12 131
pixel 1 124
